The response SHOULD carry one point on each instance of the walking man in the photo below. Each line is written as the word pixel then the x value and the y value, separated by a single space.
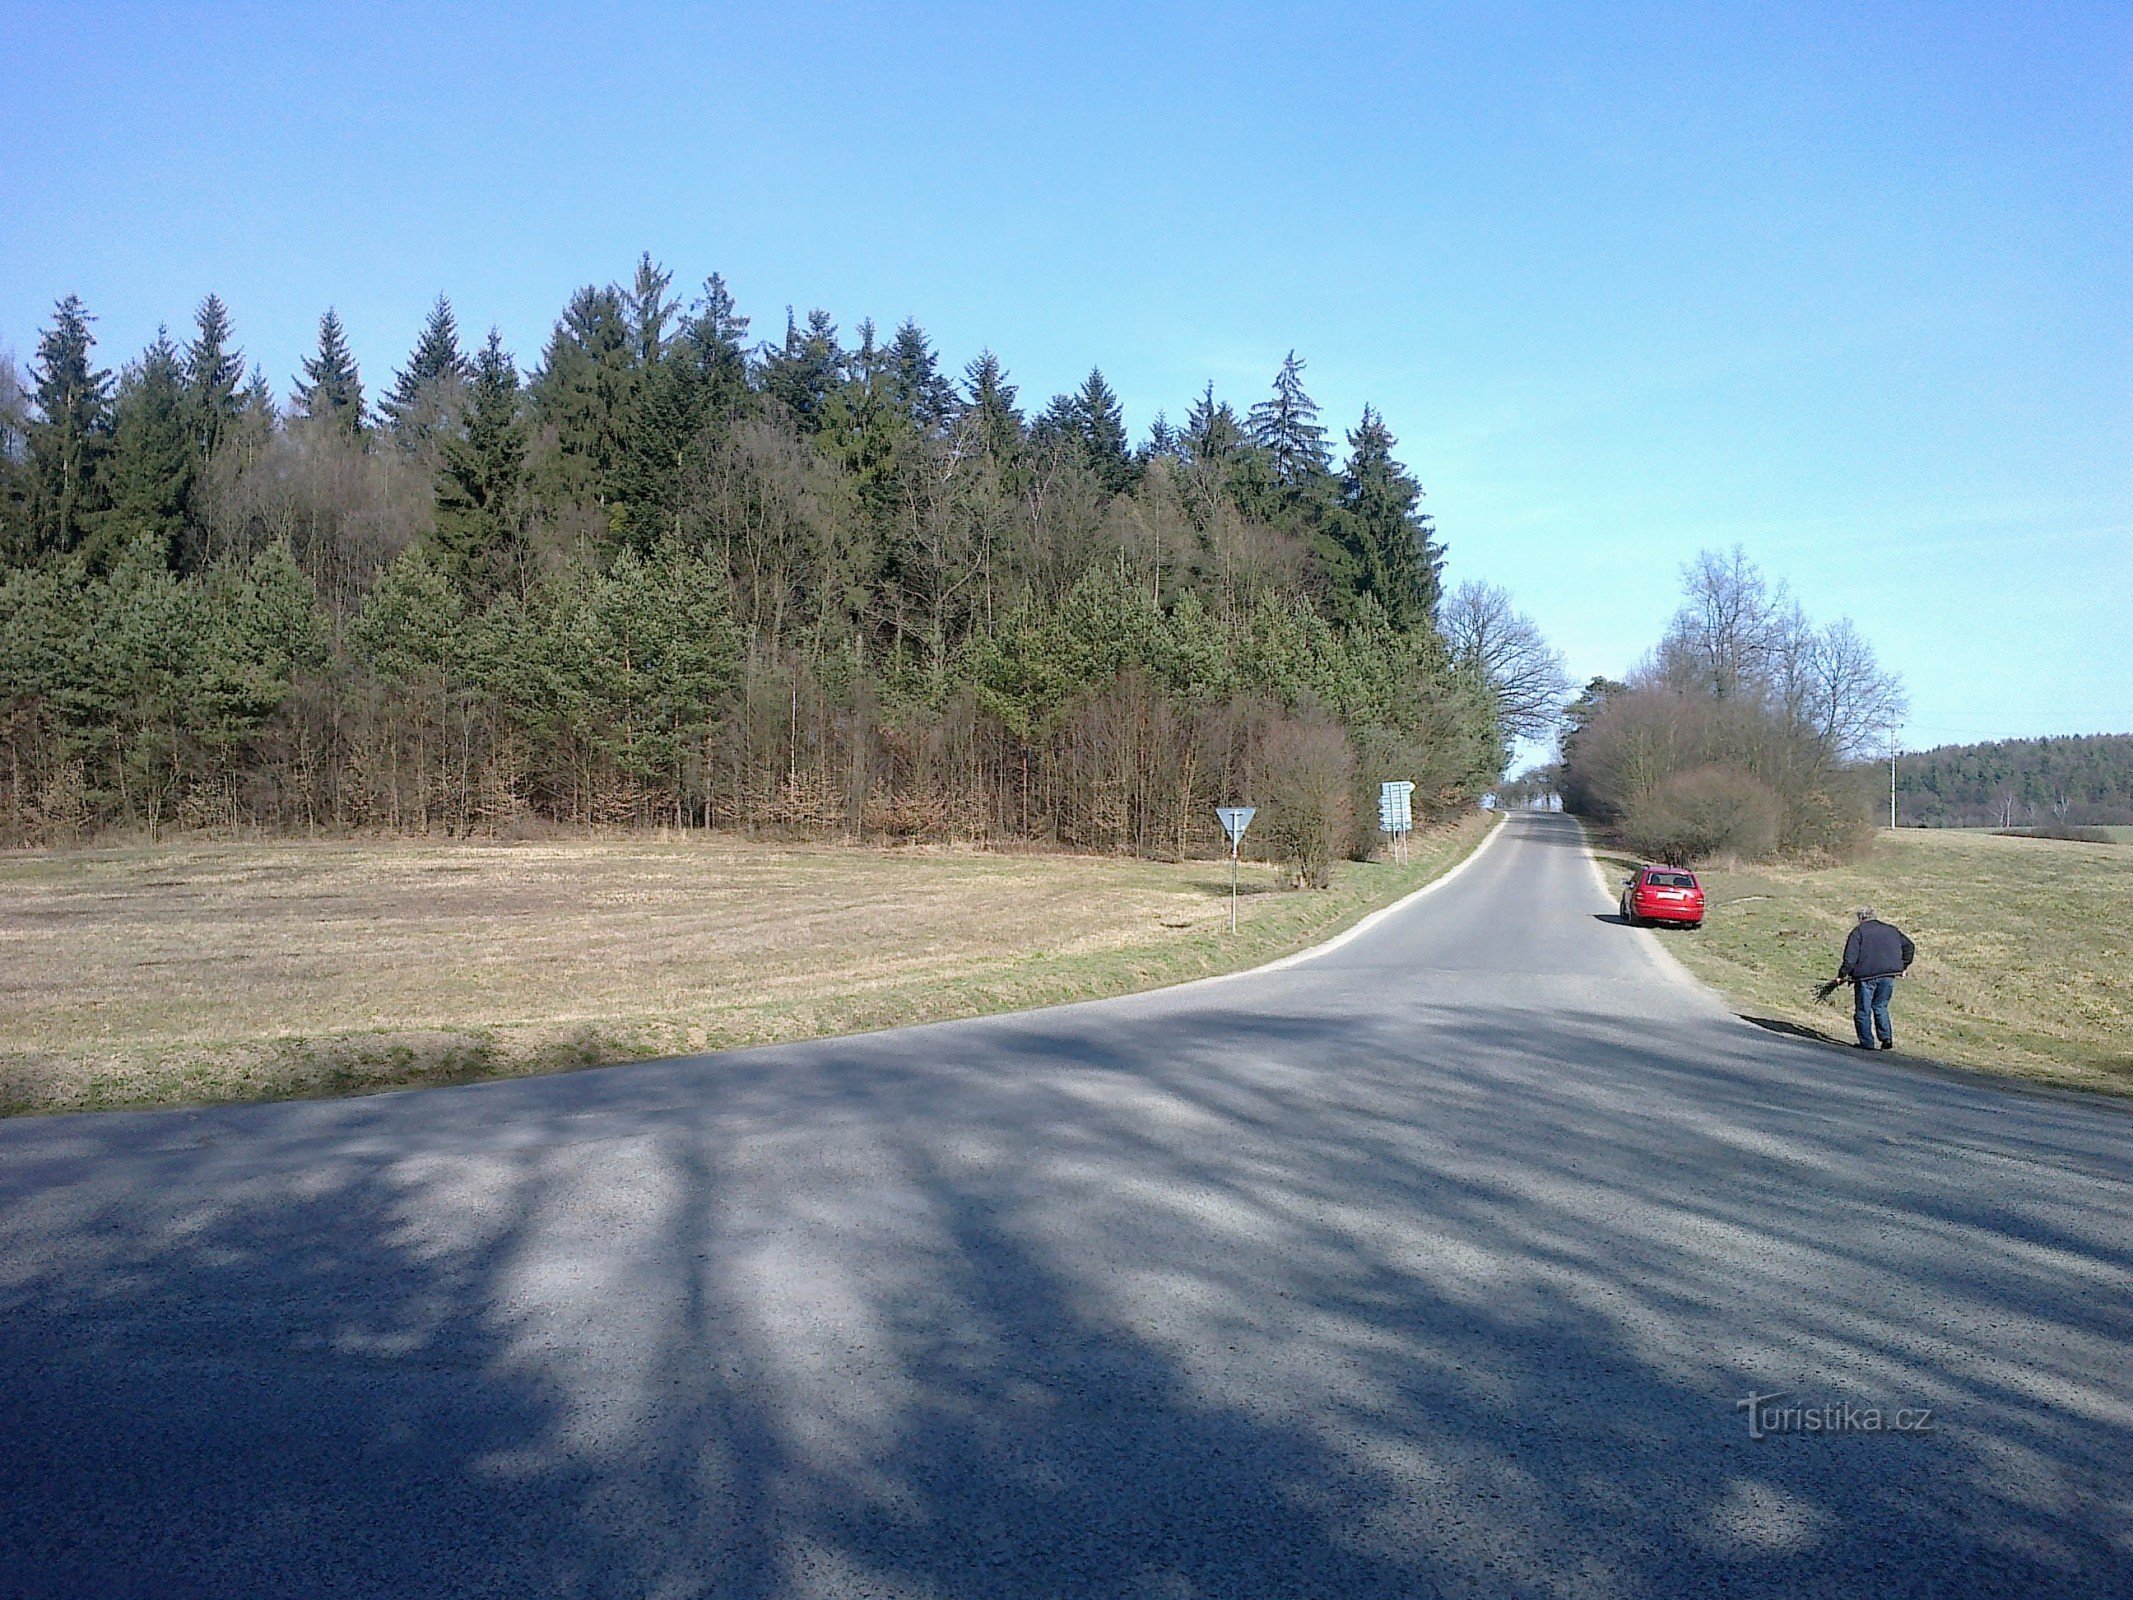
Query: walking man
pixel 1875 956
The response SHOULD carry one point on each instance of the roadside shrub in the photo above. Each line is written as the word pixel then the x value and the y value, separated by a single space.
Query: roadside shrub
pixel 1307 778
pixel 1705 812
pixel 1445 749
pixel 1636 741
pixel 1623 764
pixel 1836 818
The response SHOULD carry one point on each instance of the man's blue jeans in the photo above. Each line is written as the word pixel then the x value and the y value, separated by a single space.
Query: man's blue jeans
pixel 1870 1010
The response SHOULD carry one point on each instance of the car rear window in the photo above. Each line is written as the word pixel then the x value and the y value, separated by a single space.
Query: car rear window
pixel 1671 880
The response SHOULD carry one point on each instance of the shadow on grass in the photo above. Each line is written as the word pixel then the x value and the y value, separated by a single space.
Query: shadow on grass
pixel 1250 883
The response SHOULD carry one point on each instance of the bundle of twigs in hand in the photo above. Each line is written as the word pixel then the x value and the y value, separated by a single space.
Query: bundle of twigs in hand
pixel 1824 990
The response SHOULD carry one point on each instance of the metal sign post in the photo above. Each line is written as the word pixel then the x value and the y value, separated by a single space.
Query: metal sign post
pixel 1396 815
pixel 1235 819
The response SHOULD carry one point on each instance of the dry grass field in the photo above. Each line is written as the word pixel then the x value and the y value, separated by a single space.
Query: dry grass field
pixel 219 972
pixel 2025 949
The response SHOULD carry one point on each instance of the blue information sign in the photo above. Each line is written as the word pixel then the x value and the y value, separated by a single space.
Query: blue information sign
pixel 1396 814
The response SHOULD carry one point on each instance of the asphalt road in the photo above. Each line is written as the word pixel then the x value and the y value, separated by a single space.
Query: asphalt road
pixel 1439 1263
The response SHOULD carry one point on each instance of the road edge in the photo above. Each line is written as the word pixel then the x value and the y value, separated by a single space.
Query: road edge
pixel 1362 925
pixel 1355 930
pixel 1932 1067
pixel 1664 959
pixel 1334 941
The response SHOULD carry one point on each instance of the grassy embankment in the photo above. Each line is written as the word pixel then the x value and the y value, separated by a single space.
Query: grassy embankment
pixel 2025 949
pixel 237 972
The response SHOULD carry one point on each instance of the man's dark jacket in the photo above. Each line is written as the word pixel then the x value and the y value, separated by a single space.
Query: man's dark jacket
pixel 1876 950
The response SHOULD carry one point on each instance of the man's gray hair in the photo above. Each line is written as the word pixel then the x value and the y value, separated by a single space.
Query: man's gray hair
pixel 1866 913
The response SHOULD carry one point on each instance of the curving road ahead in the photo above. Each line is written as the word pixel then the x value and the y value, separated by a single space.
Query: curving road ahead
pixel 1438 1263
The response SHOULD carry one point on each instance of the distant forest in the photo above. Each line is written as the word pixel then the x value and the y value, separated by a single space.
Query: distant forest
pixel 2078 780
pixel 673 576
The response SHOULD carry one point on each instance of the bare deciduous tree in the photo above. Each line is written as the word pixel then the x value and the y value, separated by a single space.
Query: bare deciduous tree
pixel 1858 706
pixel 1487 636
pixel 1739 637
pixel 1744 701
pixel 1723 639
pixel 14 403
pixel 14 440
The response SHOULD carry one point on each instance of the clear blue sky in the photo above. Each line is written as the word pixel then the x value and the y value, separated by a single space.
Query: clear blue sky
pixel 1847 284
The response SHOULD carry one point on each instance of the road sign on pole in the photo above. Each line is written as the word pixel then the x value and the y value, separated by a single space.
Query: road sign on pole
pixel 1396 813
pixel 1235 819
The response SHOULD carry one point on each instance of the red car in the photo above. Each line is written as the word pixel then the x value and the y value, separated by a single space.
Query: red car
pixel 1663 894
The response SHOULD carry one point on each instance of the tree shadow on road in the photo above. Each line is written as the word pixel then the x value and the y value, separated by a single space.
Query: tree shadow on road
pixel 1143 1299
pixel 1795 1030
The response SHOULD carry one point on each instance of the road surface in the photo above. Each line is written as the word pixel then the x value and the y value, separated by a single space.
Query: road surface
pixel 1439 1263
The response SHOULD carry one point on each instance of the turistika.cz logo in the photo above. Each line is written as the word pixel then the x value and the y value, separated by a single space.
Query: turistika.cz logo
pixel 1767 1416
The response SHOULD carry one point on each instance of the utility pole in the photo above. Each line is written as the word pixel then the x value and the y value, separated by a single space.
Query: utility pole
pixel 1892 786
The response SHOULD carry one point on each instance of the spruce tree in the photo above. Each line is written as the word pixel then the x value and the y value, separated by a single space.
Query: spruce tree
pixel 214 367
pixel 650 463
pixel 255 404
pixel 915 378
pixel 872 436
pixel 331 389
pixel 1092 424
pixel 650 310
pixel 649 477
pixel 989 405
pixel 711 344
pixel 1058 424
pixel 1285 426
pixel 1100 422
pixel 153 461
pixel 481 477
pixel 1212 436
pixel 804 371
pixel 71 433
pixel 716 334
pixel 698 384
pixel 1387 536
pixel 869 362
pixel 1163 440
pixel 583 392
pixel 423 390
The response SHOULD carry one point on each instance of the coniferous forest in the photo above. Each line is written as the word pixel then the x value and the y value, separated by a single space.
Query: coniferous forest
pixel 2078 780
pixel 670 576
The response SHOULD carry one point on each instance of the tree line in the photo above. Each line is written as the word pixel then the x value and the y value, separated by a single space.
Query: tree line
pixel 670 575
pixel 2082 779
pixel 1748 731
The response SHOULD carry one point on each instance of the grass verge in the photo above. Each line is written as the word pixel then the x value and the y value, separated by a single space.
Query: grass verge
pixel 191 974
pixel 2025 949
